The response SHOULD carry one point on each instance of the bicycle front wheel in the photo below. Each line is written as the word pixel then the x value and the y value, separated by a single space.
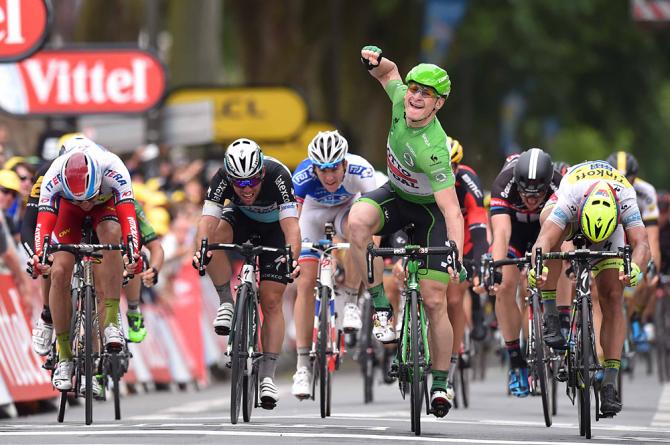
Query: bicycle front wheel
pixel 322 350
pixel 89 314
pixel 367 353
pixel 584 361
pixel 416 392
pixel 238 357
pixel 251 377
pixel 539 366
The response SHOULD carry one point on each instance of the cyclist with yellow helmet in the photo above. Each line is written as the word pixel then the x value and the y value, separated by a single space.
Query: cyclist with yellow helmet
pixel 598 201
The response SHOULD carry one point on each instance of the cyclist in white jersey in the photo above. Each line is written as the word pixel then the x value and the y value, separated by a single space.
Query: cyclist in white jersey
pixel 641 310
pixel 598 201
pixel 325 186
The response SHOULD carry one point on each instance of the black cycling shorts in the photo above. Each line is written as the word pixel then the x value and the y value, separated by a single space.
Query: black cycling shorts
pixel 269 234
pixel 523 238
pixel 430 228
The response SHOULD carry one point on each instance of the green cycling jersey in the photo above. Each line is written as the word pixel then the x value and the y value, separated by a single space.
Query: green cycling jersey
pixel 418 158
pixel 147 232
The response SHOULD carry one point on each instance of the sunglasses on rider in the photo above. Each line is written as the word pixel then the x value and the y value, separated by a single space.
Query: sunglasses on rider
pixel 248 182
pixel 426 92
pixel 328 166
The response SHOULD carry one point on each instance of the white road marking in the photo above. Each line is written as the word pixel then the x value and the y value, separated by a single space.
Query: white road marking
pixel 662 416
pixel 285 434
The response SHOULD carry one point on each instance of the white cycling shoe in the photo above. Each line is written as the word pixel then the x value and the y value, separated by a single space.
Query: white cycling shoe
pixel 43 334
pixel 383 327
pixel 352 318
pixel 224 318
pixel 441 401
pixel 114 339
pixel 62 379
pixel 302 383
pixel 269 393
pixel 98 389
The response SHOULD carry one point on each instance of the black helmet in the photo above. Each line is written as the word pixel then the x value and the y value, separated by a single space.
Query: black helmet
pixel 533 171
pixel 624 162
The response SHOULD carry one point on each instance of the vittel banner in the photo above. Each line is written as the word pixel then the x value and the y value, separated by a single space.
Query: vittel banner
pixel 78 81
pixel 24 25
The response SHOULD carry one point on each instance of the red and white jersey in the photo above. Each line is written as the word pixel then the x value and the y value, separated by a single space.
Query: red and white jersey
pixel 115 178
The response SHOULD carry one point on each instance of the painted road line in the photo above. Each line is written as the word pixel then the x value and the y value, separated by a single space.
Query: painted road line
pixel 662 416
pixel 290 435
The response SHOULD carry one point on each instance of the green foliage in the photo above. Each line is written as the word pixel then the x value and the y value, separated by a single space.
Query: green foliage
pixel 579 143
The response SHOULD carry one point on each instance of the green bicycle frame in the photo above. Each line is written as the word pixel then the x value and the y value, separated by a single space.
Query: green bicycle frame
pixel 412 284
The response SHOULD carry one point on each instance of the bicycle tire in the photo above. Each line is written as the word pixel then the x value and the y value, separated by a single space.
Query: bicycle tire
pixel 238 356
pixel 539 365
pixel 61 406
pixel 464 384
pixel 554 388
pixel 89 311
pixel 249 396
pixel 415 393
pixel 585 370
pixel 367 357
pixel 115 368
pixel 250 381
pixel 322 349
pixel 660 323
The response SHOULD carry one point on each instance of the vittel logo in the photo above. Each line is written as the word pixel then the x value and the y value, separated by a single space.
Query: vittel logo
pixel 23 28
pixel 77 82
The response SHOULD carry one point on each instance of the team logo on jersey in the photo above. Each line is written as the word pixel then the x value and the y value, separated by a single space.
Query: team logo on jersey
pixel 360 170
pixel 409 160
pixel 303 176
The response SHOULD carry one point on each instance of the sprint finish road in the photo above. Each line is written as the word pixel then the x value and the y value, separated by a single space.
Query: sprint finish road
pixel 202 417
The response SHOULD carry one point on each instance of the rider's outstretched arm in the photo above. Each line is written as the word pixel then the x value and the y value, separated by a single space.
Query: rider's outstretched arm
pixel 637 237
pixel 385 71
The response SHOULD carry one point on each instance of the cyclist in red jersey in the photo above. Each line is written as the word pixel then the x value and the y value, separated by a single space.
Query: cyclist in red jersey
pixel 475 244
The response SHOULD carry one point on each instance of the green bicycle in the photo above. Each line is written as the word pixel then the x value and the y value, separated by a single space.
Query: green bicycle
pixel 412 364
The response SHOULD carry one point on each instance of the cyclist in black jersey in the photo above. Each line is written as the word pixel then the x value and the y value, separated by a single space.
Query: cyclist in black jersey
pixel 260 191
pixel 518 195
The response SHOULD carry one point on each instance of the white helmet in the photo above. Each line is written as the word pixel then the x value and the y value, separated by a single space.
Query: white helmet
pixel 243 159
pixel 327 149
pixel 72 141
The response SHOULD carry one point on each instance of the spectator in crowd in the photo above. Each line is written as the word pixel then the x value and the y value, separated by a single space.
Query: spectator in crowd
pixel 10 189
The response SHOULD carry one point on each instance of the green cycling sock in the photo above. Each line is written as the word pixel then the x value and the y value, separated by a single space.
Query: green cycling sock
pixel 111 311
pixel 64 350
pixel 439 380
pixel 379 299
pixel 611 371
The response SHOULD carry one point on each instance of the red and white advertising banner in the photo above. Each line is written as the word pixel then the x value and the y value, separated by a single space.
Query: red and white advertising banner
pixel 78 81
pixel 153 348
pixel 185 320
pixel 650 10
pixel 24 25
pixel 20 368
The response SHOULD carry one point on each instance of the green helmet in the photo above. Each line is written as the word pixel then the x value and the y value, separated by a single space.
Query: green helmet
pixel 431 76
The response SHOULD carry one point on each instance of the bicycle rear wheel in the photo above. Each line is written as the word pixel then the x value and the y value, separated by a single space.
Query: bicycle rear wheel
pixel 416 392
pixel 539 366
pixel 464 383
pixel 584 361
pixel 239 352
pixel 367 353
pixel 322 349
pixel 89 313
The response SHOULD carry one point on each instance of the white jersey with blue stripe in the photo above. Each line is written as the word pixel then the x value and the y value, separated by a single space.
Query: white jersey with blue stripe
pixel 359 178
pixel 115 179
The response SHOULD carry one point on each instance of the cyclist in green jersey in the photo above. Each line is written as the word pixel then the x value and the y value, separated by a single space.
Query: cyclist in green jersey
pixel 150 240
pixel 421 191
